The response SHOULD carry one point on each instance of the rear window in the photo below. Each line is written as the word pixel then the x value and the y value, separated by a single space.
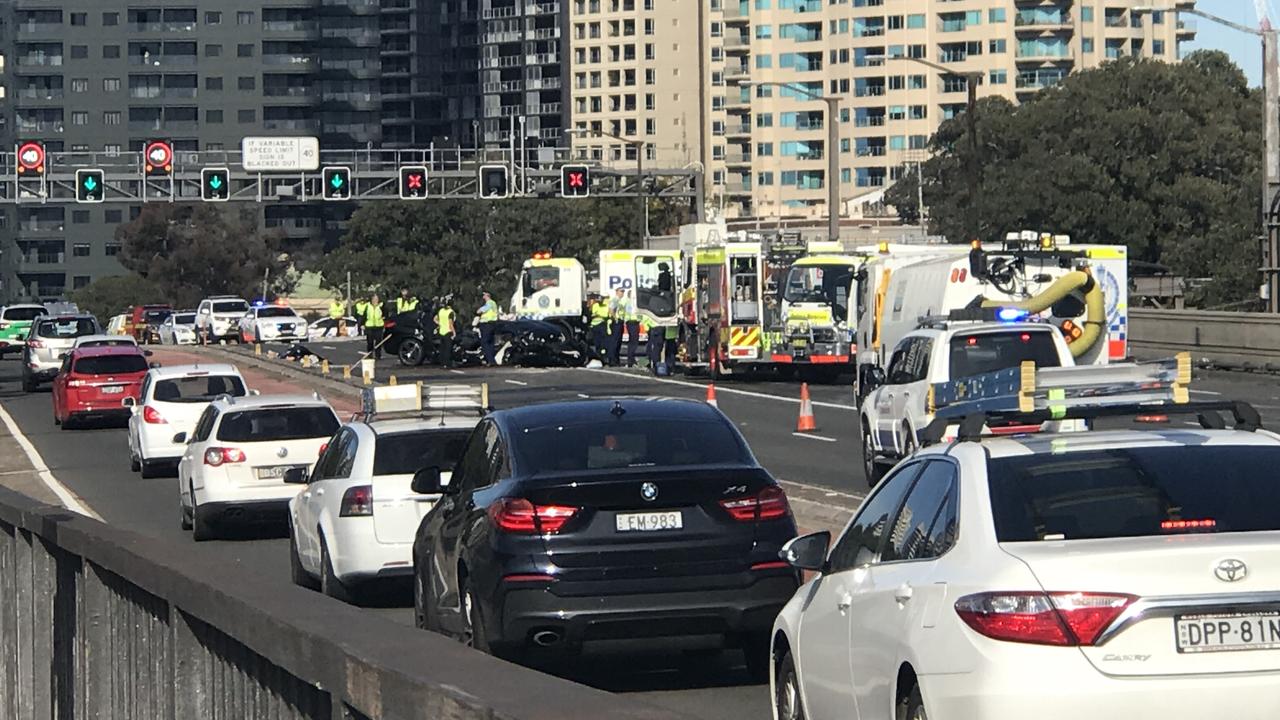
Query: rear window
pixel 407 453
pixel 157 316
pixel 185 319
pixel 110 365
pixel 23 314
pixel 197 389
pixel 66 328
pixel 278 423
pixel 230 306
pixel 108 343
pixel 275 312
pixel 989 352
pixel 568 448
pixel 1134 492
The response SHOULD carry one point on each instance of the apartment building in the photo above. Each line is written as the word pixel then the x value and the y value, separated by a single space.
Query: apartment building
pixel 93 78
pixel 520 71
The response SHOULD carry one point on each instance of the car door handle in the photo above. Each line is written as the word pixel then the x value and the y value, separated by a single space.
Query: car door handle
pixel 903 593
pixel 319 491
pixel 844 603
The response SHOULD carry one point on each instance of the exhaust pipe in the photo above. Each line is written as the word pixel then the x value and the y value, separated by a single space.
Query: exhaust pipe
pixel 546 638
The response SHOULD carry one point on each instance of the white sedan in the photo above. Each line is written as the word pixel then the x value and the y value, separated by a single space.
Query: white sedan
pixel 179 329
pixel 1107 574
pixel 356 518
pixel 235 461
pixel 170 401
pixel 106 340
pixel 272 323
pixel 326 329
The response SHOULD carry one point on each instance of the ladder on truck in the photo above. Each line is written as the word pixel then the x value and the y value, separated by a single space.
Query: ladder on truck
pixel 418 400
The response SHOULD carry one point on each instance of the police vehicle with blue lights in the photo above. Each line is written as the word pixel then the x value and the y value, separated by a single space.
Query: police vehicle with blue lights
pixel 899 401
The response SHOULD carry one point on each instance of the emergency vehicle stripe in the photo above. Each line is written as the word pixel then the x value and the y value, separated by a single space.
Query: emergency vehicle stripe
pixel 744 337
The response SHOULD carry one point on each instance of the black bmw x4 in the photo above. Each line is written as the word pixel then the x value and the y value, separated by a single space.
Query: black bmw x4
pixel 633 518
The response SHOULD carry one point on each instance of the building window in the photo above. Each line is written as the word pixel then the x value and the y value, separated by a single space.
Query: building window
pixel 111 149
pixel 996 15
pixel 247 83
pixel 919 112
pixel 650 76
pixel 1086 13
pixel 110 19
pixel 916 51
pixel 650 127
pixel 80 117
pixel 764 62
pixel 246 116
pixel 1086 45
pixel 764 149
pixel 110 52
pixel 244 50
pixel 111 85
pixel 81 249
pixel 997 46
pixel 79 52
pixel 915 22
pixel 1157 47
pixel 79 19
pixel 764 32
pixel 213 117
pixel 213 50
pixel 896 82
pixel 648 26
pixel 113 249
pixel 917 82
pixel 650 101
pixel 213 18
pixel 244 17
pixel 111 117
pixel 999 77
pixel 213 83
pixel 79 281
pixel 80 217
pixel 79 85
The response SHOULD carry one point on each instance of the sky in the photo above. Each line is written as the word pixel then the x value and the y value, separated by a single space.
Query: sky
pixel 1245 50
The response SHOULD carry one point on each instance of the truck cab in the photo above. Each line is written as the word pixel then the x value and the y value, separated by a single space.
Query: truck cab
pixel 550 288
pixel 816 325
pixel 898 404
pixel 650 277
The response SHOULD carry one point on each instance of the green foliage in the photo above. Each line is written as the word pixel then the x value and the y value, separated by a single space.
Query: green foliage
pixel 903 195
pixel 191 251
pixel 466 246
pixel 1161 157
pixel 113 295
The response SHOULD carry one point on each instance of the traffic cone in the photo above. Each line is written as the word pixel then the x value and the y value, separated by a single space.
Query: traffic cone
pixel 806 422
pixel 711 395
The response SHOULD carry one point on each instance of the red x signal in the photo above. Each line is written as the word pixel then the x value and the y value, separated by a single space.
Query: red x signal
pixel 415 181
pixel 577 179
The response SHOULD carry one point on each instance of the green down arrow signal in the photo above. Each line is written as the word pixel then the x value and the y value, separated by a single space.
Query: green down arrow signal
pixel 215 182
pixel 336 182
pixel 90 183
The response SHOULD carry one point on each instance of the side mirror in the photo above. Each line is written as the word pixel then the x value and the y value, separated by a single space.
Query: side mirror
pixel 128 402
pixel 255 393
pixel 807 552
pixel 875 378
pixel 153 365
pixel 427 482
pixel 295 476
pixel 180 439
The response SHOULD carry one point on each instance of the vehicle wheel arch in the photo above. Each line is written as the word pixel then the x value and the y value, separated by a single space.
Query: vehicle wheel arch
pixel 780 645
pixel 905 683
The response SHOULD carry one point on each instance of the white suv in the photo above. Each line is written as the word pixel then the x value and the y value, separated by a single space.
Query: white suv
pixel 218 317
pixel 896 410
pixel 266 323
pixel 50 338
pixel 356 518
pixel 1116 573
pixel 235 461
pixel 171 401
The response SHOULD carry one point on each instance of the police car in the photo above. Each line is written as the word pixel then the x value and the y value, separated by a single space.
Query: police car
pixel 265 323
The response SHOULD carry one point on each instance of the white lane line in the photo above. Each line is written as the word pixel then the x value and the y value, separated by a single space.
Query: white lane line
pixel 584 396
pixel 722 389
pixel 68 498
pixel 814 437
pixel 853 497
pixel 1204 392
pixel 516 382
pixel 456 372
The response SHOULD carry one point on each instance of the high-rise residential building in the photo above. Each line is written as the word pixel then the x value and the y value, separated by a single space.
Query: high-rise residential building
pixel 103 78
pixel 521 71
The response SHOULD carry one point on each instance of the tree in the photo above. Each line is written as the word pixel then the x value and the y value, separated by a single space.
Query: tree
pixel 1161 157
pixel 191 251
pixel 904 196
pixel 112 295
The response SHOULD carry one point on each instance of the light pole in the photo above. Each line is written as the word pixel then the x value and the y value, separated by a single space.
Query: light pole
pixel 1270 138
pixel 833 149
pixel 639 146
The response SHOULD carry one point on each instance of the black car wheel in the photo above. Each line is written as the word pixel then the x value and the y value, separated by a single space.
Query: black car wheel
pixel 150 469
pixel 786 691
pixel 329 583
pixel 184 514
pixel 297 573
pixel 134 464
pixel 201 530
pixel 912 706
pixel 424 603
pixel 411 352
pixel 870 467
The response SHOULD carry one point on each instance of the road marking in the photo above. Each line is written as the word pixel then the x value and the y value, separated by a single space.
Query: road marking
pixel 584 396
pixel 722 389
pixel 1204 392
pixel 456 372
pixel 516 382
pixel 68 498
pixel 814 437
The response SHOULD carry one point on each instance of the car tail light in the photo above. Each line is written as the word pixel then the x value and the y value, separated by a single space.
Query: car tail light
pixel 1056 618
pixel 768 504
pixel 323 447
pixel 35 344
pixel 521 517
pixel 357 501
pixel 152 416
pixel 76 382
pixel 216 456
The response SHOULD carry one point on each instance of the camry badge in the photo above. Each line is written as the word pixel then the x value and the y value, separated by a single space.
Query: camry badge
pixel 649 492
pixel 282 452
pixel 1231 570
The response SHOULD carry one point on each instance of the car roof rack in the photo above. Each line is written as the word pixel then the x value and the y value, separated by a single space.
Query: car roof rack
pixel 419 401
pixel 1026 395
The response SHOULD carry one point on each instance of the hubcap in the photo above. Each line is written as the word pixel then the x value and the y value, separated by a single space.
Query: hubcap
pixel 468 630
pixel 787 695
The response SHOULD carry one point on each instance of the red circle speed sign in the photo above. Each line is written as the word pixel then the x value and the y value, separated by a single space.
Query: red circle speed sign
pixel 31 158
pixel 159 155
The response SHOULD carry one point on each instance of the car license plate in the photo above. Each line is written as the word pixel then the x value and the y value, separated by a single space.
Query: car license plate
pixel 1224 632
pixel 650 521
pixel 113 390
pixel 275 472
pixel 800 343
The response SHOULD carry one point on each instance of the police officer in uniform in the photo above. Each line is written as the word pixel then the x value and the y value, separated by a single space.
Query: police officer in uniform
pixel 406 302
pixel 633 329
pixel 617 320
pixel 488 315
pixel 338 313
pixel 446 331
pixel 599 311
pixel 373 327
pixel 362 310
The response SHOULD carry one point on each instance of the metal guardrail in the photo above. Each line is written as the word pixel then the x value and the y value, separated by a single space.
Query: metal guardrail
pixel 1225 339
pixel 102 623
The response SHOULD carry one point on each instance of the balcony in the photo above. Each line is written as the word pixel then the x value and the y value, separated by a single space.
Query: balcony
pixel 737 101
pixel 290 91
pixel 357 100
pixel 869 91
pixel 36 226
pixel 158 60
pixel 737 188
pixel 291 26
pixel 737 73
pixel 1186 28
pixel 737 130
pixel 301 60
pixel 39 93
pixel 869 121
pixel 737 158
pixel 733 14
pixel 43 260
pixel 1116 21
pixel 542 109
pixel 296 125
pixel 39 61
pixel 1044 54
pixel 871 151
pixel 736 43
pixel 550 83
pixel 495 38
pixel 42 28
pixel 1042 23
pixel 550 8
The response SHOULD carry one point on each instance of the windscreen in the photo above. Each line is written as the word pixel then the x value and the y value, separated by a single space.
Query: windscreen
pixel 540 278
pixel 268 312
pixel 278 423
pixel 108 343
pixel 629 444
pixel 989 352
pixel 827 284
pixel 69 328
pixel 230 306
pixel 111 365
pixel 185 319
pixel 23 314
pixel 1134 492
pixel 198 389
pixel 407 453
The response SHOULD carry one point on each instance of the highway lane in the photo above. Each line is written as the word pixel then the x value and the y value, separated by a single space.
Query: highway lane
pixel 93 463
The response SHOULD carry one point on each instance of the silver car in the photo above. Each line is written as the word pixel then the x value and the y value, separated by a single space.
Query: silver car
pixel 50 339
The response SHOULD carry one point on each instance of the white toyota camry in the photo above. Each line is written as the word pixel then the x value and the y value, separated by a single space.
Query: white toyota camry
pixel 1105 574
pixel 170 401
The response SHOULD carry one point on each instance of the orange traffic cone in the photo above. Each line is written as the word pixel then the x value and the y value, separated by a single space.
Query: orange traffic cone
pixel 806 422
pixel 711 395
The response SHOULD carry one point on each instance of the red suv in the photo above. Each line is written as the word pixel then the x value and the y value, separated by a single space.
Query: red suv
pixel 94 382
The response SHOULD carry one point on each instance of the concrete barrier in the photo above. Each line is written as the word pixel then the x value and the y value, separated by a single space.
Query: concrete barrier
pixel 1227 339
pixel 101 623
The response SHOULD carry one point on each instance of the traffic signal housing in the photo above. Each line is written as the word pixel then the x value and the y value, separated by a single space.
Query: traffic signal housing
pixel 89 186
pixel 215 184
pixel 575 181
pixel 337 183
pixel 413 182
pixel 494 182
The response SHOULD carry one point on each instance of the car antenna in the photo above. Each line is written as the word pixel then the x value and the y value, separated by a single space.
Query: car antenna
pixel 618 410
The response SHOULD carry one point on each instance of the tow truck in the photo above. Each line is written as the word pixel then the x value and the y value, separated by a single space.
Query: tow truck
pixel 815 332
pixel 552 289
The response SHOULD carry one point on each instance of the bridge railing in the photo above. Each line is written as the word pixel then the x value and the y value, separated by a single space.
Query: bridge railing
pixel 1227 339
pixel 97 622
